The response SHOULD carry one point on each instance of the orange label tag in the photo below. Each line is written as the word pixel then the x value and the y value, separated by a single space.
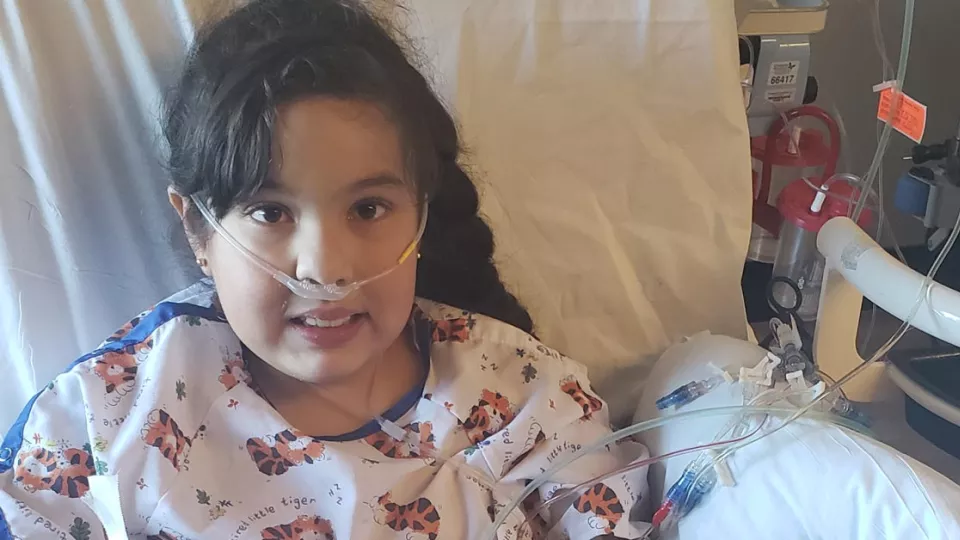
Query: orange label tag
pixel 911 117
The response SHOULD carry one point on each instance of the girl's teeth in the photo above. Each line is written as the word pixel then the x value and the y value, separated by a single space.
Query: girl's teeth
pixel 322 323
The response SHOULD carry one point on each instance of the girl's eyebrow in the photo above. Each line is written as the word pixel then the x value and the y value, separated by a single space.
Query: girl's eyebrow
pixel 271 184
pixel 384 179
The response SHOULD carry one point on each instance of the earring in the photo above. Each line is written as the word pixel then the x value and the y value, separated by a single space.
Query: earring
pixel 201 262
pixel 419 256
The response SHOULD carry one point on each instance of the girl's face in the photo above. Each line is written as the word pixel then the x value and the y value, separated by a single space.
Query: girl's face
pixel 338 208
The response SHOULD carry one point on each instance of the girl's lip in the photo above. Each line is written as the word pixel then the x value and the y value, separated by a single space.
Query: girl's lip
pixel 331 337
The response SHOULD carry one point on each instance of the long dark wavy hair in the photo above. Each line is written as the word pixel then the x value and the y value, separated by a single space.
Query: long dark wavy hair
pixel 219 118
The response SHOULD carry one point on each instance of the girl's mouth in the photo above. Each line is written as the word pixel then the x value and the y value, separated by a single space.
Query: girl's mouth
pixel 328 333
pixel 325 323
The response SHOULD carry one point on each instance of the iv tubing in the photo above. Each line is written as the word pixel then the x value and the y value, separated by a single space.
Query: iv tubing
pixel 850 179
pixel 567 492
pixel 922 295
pixel 869 179
pixel 641 427
pixel 791 413
pixel 888 128
pixel 765 398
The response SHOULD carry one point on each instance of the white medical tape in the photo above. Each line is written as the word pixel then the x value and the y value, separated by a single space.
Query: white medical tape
pixel 104 499
pixel 700 334
pixel 796 380
pixel 722 372
pixel 395 432
pixel 722 468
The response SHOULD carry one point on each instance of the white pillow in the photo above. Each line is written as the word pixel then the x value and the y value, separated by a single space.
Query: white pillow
pixel 810 480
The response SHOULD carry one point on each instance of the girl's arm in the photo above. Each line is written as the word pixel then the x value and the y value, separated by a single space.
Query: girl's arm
pixel 46 461
pixel 605 508
pixel 562 419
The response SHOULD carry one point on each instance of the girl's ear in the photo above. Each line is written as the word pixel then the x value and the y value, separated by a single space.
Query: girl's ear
pixel 177 201
pixel 181 204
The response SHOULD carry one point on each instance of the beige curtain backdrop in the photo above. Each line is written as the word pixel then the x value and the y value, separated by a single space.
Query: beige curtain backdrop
pixel 610 141
pixel 607 135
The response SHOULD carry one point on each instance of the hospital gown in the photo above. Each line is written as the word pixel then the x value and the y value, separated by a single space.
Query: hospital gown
pixel 167 407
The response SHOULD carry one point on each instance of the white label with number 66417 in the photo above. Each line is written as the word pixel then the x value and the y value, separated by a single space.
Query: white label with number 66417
pixel 783 73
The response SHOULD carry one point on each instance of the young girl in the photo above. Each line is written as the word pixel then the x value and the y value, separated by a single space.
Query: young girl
pixel 318 382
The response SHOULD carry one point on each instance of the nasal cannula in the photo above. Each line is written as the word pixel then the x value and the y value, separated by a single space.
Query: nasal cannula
pixel 304 288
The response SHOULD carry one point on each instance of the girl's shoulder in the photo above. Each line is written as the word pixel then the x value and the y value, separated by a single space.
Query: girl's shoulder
pixel 480 363
pixel 137 404
pixel 456 330
pixel 171 361
pixel 179 343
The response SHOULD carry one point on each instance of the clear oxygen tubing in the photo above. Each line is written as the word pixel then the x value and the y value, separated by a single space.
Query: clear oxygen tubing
pixel 883 226
pixel 644 426
pixel 307 289
pixel 877 194
pixel 879 42
pixel 922 295
pixel 851 179
pixel 885 135
pixel 887 73
pixel 855 181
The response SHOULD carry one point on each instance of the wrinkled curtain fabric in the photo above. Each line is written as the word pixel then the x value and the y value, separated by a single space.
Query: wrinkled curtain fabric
pixel 608 138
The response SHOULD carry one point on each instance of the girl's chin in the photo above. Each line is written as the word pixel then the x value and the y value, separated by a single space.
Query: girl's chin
pixel 325 368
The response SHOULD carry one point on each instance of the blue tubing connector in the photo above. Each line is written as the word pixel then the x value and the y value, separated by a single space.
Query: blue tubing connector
pixel 911 195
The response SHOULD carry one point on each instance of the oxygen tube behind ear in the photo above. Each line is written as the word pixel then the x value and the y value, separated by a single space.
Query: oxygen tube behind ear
pixel 330 292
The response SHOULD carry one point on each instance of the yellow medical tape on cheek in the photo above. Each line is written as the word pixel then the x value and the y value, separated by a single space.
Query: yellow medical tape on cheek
pixel 416 241
pixel 407 252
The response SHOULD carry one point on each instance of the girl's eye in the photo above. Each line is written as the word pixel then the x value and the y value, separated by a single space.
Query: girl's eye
pixel 269 214
pixel 369 210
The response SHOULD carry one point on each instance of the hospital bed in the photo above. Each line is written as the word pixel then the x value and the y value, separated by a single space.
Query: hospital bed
pixel 815 479
pixel 619 193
